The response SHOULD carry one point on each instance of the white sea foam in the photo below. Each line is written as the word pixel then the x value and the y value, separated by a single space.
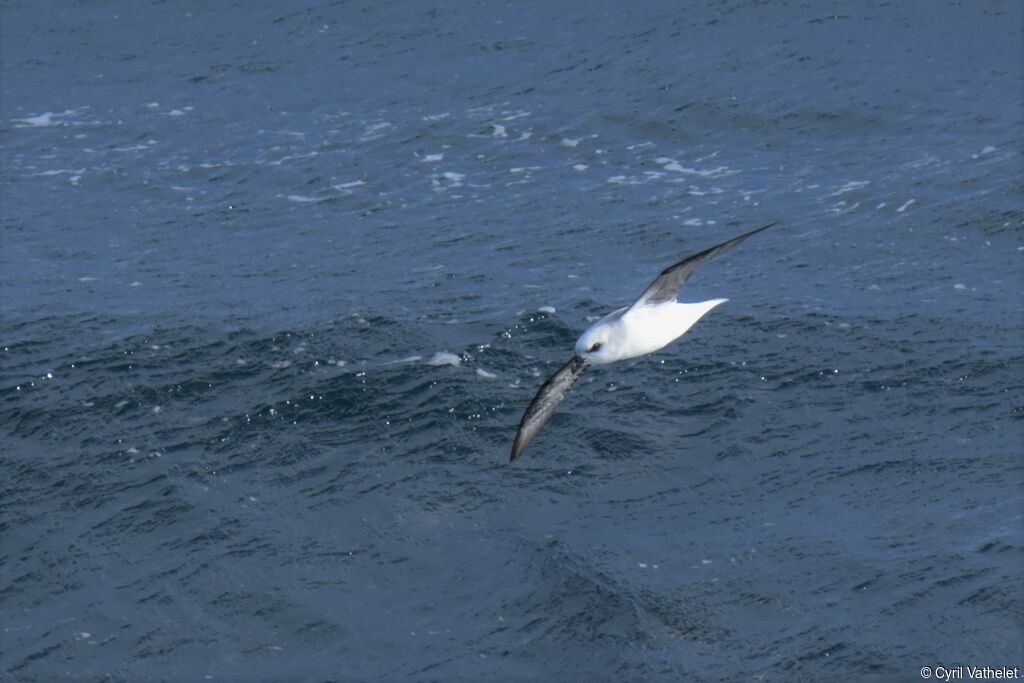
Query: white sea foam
pixel 374 131
pixel 444 358
pixel 850 187
pixel 669 164
pixel 348 186
pixel 842 207
pixel 46 119
pixel 41 121
pixel 626 180
pixel 447 180
pixel 292 157
pixel 407 359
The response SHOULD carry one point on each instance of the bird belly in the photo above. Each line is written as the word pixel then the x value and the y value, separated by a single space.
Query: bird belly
pixel 651 328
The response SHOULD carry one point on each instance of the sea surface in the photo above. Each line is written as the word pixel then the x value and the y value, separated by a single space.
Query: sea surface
pixel 277 281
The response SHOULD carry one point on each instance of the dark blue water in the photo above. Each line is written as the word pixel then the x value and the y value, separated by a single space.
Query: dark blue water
pixel 277 283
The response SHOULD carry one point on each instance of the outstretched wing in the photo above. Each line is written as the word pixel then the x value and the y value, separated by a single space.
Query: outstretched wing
pixel 543 405
pixel 667 285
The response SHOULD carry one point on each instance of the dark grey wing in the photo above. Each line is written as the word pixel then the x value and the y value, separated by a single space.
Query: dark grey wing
pixel 543 405
pixel 667 285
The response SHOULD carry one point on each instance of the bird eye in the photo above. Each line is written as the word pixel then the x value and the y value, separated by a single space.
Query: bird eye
pixel 595 347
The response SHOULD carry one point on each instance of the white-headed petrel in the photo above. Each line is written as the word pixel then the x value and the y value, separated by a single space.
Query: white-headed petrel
pixel 654 320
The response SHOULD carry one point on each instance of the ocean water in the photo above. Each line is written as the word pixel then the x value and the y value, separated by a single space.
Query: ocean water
pixel 278 280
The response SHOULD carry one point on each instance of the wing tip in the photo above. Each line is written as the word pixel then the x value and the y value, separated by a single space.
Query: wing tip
pixel 519 445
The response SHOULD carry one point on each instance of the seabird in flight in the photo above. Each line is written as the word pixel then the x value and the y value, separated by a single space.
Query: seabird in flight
pixel 654 320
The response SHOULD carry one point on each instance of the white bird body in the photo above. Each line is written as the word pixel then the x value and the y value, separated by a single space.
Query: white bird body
pixel 652 322
pixel 634 331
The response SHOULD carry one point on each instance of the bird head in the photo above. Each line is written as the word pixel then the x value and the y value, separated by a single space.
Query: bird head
pixel 594 347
